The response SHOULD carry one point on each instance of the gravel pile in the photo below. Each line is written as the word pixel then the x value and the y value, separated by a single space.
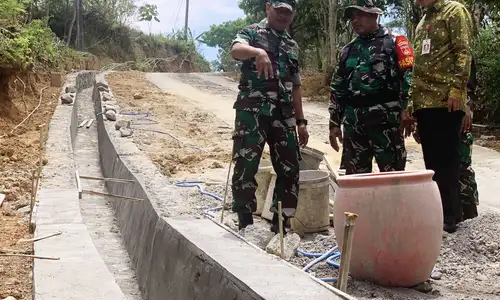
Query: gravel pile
pixel 468 266
pixel 470 258
pixel 316 243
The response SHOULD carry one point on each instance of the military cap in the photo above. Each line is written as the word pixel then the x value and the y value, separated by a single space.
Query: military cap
pixel 363 5
pixel 290 4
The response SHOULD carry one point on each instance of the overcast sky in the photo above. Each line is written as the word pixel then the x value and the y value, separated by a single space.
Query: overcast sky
pixel 202 14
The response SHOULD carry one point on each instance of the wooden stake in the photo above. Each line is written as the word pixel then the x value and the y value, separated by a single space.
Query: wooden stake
pixel 33 219
pixel 106 179
pixel 32 256
pixel 33 181
pixel 37 180
pixel 83 123
pixel 333 174
pixel 225 192
pixel 40 238
pixel 345 259
pixel 12 251
pixel 112 195
pixel 78 184
pixel 280 213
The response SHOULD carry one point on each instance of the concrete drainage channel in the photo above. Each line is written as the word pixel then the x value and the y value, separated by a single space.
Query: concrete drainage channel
pixel 172 257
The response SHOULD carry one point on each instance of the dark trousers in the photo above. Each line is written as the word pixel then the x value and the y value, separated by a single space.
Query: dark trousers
pixel 439 132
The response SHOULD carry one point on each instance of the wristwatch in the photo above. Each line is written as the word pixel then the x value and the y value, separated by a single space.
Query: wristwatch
pixel 301 122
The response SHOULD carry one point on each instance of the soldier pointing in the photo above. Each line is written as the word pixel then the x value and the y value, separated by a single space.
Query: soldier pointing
pixel 268 109
pixel 369 94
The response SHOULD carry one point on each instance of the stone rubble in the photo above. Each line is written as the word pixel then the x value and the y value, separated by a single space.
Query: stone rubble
pixel 110 115
pixel 66 98
pixel 291 243
pixel 260 236
pixel 70 89
pixel 125 132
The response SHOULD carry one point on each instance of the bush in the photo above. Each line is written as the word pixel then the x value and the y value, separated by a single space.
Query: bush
pixel 27 46
pixel 487 108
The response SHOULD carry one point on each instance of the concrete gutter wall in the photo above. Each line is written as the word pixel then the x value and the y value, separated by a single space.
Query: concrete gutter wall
pixel 83 80
pixel 79 273
pixel 191 258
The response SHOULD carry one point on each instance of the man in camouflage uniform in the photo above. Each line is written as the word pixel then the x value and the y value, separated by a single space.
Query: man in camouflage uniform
pixel 439 93
pixel 369 91
pixel 268 109
pixel 469 197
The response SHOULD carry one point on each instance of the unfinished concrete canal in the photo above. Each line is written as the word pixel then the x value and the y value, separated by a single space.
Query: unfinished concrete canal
pixel 134 248
pixel 155 242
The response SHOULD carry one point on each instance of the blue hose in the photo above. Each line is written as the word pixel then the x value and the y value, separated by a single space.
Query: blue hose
pixel 144 124
pixel 329 279
pixel 322 257
pixel 330 256
pixel 209 212
pixel 146 114
pixel 330 260
pixel 307 254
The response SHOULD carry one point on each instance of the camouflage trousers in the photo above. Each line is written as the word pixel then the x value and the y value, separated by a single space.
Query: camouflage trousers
pixel 361 143
pixel 252 131
pixel 469 196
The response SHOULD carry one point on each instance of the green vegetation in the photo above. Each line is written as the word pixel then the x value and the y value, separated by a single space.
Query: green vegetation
pixel 321 32
pixel 26 45
pixel 42 35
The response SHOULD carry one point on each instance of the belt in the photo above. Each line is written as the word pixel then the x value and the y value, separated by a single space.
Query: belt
pixel 371 100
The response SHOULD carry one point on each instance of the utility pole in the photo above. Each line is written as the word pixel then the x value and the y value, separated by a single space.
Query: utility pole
pixel 186 20
pixel 78 28
pixel 80 20
pixel 332 28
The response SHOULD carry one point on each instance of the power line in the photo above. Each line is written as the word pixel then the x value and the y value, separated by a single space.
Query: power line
pixel 178 11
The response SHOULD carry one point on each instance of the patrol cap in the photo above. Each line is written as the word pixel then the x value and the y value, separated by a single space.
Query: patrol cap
pixel 367 6
pixel 289 4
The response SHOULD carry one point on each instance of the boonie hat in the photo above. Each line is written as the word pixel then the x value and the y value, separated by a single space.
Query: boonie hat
pixel 289 4
pixel 363 5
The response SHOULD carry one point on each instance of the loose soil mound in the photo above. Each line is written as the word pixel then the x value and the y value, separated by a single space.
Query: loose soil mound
pixel 19 152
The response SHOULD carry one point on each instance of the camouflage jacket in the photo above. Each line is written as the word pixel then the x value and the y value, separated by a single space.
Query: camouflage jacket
pixel 443 72
pixel 372 80
pixel 272 97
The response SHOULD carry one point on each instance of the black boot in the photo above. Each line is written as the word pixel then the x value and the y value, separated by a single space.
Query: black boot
pixel 470 211
pixel 275 223
pixel 244 219
pixel 450 227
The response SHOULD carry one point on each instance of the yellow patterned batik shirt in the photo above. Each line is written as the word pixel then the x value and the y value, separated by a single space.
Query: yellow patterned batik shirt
pixel 443 56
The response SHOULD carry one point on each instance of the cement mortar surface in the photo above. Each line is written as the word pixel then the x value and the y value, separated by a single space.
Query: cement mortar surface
pixel 79 272
pixel 216 95
pixel 96 210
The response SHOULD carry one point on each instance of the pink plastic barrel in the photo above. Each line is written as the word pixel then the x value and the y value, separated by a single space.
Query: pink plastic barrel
pixel 399 230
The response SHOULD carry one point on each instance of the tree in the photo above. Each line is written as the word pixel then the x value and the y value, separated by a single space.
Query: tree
pixel 221 36
pixel 148 12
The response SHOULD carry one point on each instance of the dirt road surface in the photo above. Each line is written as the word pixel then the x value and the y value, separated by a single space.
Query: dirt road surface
pixel 216 94
pixel 186 131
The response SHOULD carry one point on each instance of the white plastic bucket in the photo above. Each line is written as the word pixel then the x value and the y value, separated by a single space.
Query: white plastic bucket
pixel 311 159
pixel 263 178
pixel 313 209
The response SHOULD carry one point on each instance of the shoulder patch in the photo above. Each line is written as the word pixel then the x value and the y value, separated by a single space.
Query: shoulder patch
pixel 404 52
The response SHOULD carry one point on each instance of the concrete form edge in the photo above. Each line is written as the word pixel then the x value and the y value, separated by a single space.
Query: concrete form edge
pixel 80 80
pixel 109 170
